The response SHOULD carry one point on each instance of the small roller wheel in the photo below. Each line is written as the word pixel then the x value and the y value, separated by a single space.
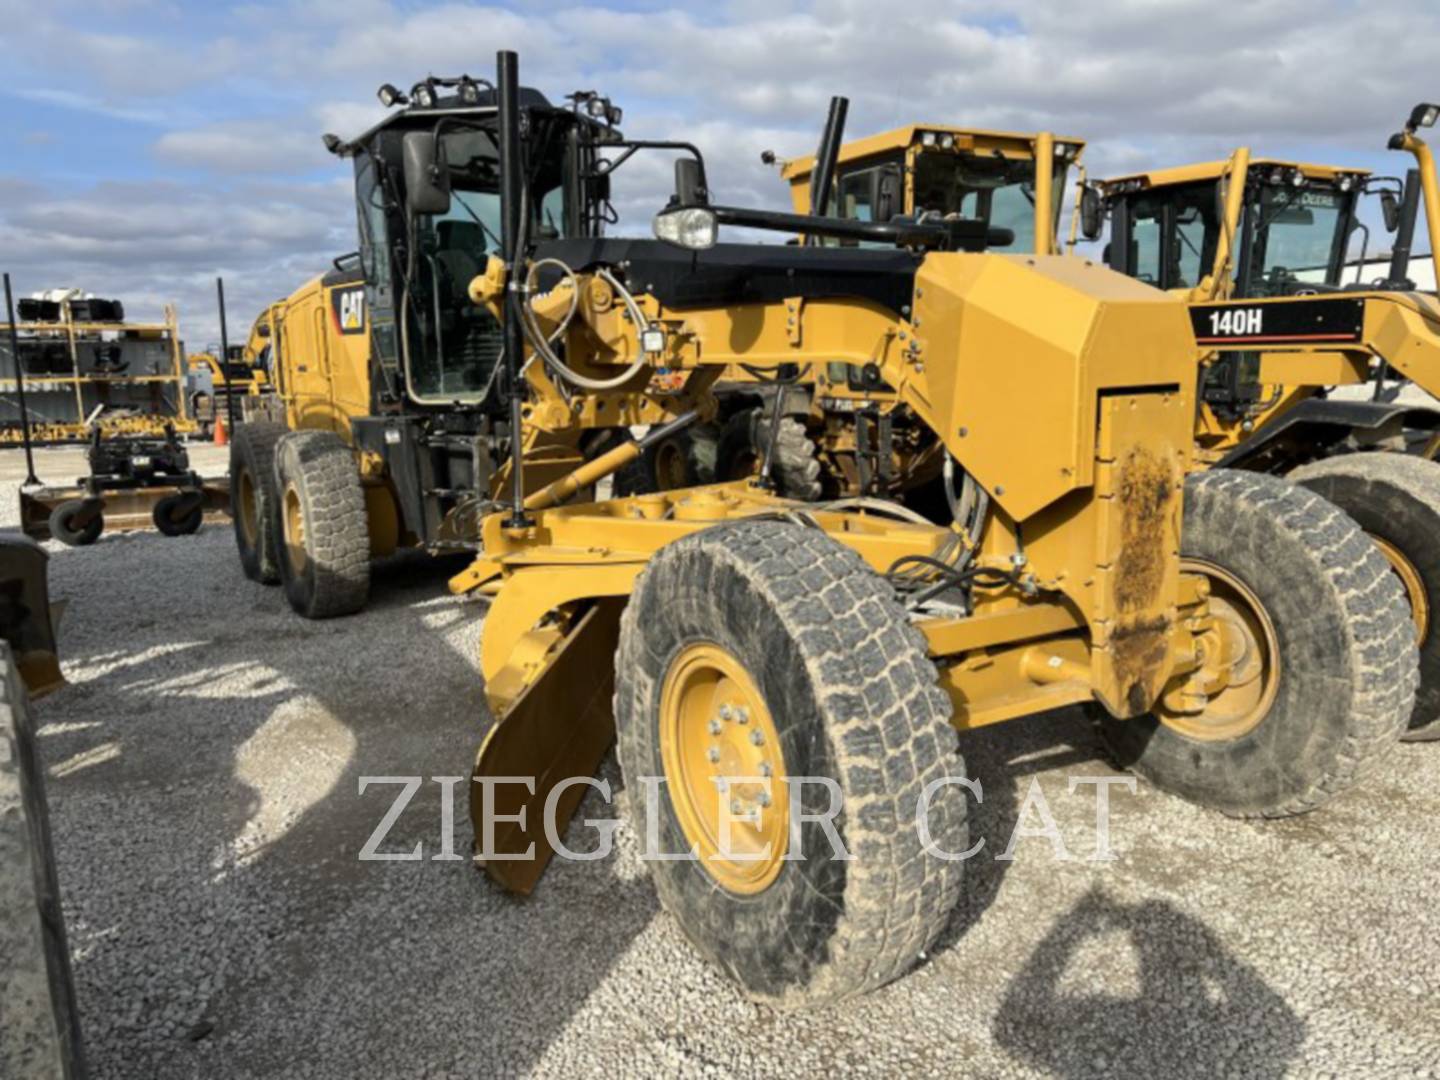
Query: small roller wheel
pixel 767 674
pixel 180 514
pixel 322 535
pixel 77 522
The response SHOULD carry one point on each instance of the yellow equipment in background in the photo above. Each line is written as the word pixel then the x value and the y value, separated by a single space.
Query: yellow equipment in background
pixel 85 366
pixel 1282 318
pixel 840 430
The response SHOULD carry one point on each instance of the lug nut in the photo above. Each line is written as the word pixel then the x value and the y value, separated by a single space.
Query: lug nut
pixel 742 714
pixel 764 799
pixel 715 727
pixel 765 769
pixel 713 755
pixel 756 737
pixel 725 712
pixel 735 807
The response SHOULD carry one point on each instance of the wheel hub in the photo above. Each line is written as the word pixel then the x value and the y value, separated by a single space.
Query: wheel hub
pixel 249 508
pixel 1411 582
pixel 1239 674
pixel 294 526
pixel 724 768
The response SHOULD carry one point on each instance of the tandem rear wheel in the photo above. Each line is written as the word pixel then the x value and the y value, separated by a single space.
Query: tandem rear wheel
pixel 1395 498
pixel 1310 654
pixel 321 532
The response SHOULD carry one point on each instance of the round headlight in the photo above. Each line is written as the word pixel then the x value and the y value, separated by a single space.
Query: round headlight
pixel 423 95
pixel 928 139
pixel 947 142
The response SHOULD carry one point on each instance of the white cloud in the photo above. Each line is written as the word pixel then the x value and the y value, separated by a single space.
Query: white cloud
pixel 1145 81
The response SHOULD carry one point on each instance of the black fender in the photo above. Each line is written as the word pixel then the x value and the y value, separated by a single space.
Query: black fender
pixel 1319 423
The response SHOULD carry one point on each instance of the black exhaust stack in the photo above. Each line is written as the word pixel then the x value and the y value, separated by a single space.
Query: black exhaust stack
pixel 507 83
pixel 822 178
pixel 1405 230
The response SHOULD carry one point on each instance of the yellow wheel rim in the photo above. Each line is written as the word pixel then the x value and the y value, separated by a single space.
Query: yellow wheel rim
pixel 719 746
pixel 1412 583
pixel 294 525
pixel 249 510
pixel 1241 661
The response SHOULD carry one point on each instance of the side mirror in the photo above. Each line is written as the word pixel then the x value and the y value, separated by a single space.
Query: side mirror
pixel 427 182
pixel 1390 210
pixel 1092 213
pixel 884 193
pixel 690 183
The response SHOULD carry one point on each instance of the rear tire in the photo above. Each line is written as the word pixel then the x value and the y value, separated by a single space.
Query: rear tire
pixel 794 468
pixel 1395 498
pixel 836 671
pixel 254 499
pixel 1344 685
pixel 685 459
pixel 321 533
pixel 76 523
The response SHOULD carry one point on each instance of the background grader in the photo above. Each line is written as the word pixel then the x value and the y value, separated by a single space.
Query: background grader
pixel 838 429
pixel 1260 247
pixel 793 674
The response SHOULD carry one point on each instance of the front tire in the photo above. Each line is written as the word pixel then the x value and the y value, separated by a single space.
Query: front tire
pixel 829 680
pixel 1325 662
pixel 322 535
pixel 1395 498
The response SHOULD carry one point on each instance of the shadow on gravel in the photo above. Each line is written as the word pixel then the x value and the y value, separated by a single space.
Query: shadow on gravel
pixel 1188 1008
pixel 1001 759
pixel 227 925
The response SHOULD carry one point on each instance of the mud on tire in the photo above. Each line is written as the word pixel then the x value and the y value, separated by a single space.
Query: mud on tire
pixel 853 697
pixel 1395 498
pixel 1347 658
pixel 254 499
pixel 321 532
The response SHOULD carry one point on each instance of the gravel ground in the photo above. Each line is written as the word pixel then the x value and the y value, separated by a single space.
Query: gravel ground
pixel 204 768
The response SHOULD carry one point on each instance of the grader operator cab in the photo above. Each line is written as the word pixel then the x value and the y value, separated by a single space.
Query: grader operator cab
pixel 396 424
pixel 786 676
pixel 1262 250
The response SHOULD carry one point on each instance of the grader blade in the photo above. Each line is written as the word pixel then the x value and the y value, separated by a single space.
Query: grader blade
pixel 558 726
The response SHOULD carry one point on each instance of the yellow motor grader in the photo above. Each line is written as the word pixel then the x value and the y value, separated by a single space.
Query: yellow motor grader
pixel 1282 318
pixel 787 679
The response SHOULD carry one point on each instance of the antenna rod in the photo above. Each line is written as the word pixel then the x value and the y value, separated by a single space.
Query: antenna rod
pixel 225 361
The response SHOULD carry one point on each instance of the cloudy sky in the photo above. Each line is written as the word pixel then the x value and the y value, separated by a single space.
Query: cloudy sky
pixel 149 146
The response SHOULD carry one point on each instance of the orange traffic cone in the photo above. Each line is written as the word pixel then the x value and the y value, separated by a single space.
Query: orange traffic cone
pixel 222 437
